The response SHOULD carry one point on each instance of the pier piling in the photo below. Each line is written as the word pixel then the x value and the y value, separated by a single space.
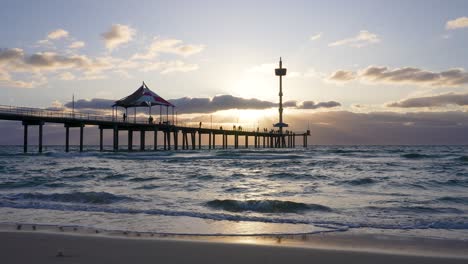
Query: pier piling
pixel 25 141
pixel 81 137
pixel 101 138
pixel 142 140
pixel 130 140
pixel 67 138
pixel 155 139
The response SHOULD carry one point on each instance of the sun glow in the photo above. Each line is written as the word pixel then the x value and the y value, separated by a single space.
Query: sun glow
pixel 249 119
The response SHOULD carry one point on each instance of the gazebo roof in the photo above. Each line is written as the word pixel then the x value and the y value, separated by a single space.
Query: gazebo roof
pixel 142 97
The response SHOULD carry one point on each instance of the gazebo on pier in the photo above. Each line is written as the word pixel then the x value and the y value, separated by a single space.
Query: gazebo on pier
pixel 144 97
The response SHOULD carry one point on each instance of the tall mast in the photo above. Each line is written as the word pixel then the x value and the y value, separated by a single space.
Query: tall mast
pixel 280 72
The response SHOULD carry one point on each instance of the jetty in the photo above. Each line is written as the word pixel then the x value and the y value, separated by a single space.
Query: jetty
pixel 190 136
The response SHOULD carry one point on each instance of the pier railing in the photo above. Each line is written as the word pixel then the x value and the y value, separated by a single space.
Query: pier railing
pixel 68 114
pixel 92 116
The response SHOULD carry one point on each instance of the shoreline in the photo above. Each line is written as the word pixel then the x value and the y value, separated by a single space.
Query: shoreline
pixel 48 247
pixel 372 246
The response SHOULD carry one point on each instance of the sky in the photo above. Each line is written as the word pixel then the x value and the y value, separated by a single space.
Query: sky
pixel 359 72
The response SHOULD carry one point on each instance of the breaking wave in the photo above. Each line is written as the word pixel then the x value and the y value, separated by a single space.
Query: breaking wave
pixel 265 206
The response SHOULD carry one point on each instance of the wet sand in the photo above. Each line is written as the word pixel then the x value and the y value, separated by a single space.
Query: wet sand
pixel 44 247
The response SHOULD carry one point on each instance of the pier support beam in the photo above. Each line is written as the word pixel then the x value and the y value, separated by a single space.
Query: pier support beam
pixel 25 141
pixel 101 138
pixel 165 140
pixel 116 139
pixel 169 140
pixel 246 141
pixel 199 140
pixel 81 137
pixel 209 140
pixel 40 138
pixel 130 140
pixel 142 140
pixel 214 140
pixel 176 139
pixel 26 125
pixel 155 139
pixel 193 134
pixel 67 138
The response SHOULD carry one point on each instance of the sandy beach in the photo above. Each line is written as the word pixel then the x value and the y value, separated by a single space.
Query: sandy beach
pixel 43 247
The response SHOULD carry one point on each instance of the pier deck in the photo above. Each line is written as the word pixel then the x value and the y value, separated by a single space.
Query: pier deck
pixel 39 117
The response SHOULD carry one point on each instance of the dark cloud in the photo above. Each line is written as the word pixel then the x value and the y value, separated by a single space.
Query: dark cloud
pixel 209 105
pixel 217 103
pixel 312 105
pixel 451 77
pixel 7 55
pixel 291 103
pixel 411 75
pixel 95 103
pixel 433 101
pixel 15 60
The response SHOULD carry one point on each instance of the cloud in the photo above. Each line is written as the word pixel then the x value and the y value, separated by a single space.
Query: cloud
pixel 362 39
pixel 15 60
pixel 172 46
pixel 76 45
pixel 92 104
pixel 8 55
pixel 451 77
pixel 210 105
pixel 316 36
pixel 117 35
pixel 433 101
pixel 461 22
pixel 342 76
pixel 58 34
pixel 312 105
pixel 406 75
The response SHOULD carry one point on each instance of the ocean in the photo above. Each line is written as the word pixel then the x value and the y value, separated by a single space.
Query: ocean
pixel 413 190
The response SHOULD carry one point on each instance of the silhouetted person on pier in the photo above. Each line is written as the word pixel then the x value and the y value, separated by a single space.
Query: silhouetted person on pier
pixel 220 128
pixel 125 117
pixel 234 127
pixel 150 120
pixel 200 125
